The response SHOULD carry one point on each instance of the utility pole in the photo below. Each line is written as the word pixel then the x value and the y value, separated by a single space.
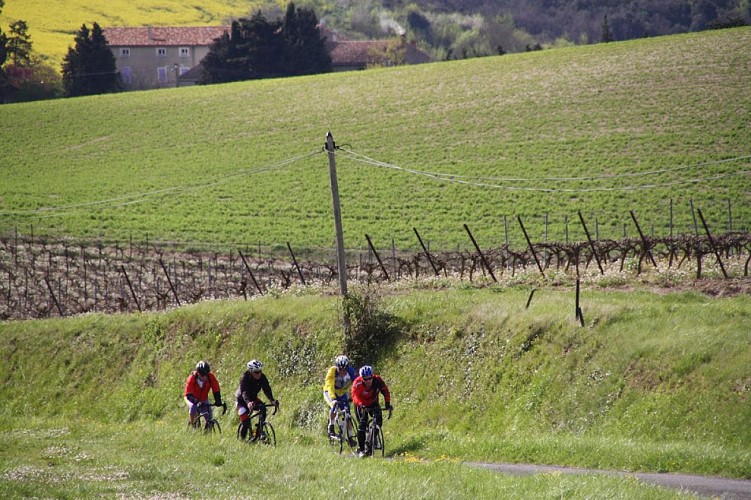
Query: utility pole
pixel 342 266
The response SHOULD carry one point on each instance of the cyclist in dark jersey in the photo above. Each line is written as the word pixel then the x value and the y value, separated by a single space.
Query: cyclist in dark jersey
pixel 252 382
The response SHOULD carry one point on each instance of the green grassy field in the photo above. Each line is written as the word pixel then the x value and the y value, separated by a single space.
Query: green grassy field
pixel 91 404
pixel 53 25
pixel 603 129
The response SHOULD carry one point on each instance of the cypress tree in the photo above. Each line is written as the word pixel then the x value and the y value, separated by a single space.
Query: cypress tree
pixel 19 44
pixel 3 57
pixel 89 68
pixel 305 50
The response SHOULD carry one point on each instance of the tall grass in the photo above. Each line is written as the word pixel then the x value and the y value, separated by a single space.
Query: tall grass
pixel 155 459
pixel 651 383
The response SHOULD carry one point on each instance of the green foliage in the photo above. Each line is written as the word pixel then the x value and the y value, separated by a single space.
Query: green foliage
pixel 19 44
pixel 305 51
pixel 371 330
pixel 259 48
pixel 89 67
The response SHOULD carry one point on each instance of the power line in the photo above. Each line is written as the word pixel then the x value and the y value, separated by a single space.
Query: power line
pixel 135 198
pixel 460 179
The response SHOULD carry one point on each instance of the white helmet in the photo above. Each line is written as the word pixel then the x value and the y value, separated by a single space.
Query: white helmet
pixel 342 362
pixel 255 365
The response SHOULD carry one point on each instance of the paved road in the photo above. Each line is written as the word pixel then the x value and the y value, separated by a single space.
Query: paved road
pixel 716 487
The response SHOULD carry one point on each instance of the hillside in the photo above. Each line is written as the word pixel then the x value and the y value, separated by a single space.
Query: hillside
pixel 653 382
pixel 657 126
pixel 448 29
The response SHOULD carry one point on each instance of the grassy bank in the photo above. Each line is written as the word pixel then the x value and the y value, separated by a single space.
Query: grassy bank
pixel 653 382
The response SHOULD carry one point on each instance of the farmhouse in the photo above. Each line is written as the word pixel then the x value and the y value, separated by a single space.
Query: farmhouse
pixel 151 57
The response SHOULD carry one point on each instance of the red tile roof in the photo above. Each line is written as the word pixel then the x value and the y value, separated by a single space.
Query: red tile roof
pixel 358 52
pixel 163 36
pixel 353 53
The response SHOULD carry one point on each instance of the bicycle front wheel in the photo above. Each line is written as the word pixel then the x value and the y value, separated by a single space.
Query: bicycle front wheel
pixel 349 434
pixel 336 440
pixel 379 445
pixel 268 436
pixel 213 427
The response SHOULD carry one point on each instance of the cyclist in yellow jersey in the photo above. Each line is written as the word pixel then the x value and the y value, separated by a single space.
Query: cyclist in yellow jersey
pixel 336 387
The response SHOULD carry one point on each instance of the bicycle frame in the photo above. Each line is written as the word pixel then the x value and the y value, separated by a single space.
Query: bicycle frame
pixel 254 430
pixel 374 440
pixel 205 413
pixel 345 425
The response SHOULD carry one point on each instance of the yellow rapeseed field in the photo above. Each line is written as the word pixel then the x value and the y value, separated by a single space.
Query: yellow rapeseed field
pixel 54 23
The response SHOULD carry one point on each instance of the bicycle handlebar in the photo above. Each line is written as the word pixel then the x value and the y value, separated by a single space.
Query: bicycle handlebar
pixel 390 410
pixel 207 404
pixel 267 405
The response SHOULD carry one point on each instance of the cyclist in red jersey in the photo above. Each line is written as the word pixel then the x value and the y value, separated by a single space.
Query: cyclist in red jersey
pixel 197 387
pixel 365 391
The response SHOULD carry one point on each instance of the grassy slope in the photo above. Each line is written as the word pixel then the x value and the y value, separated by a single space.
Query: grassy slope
pixel 620 108
pixel 654 382
pixel 53 25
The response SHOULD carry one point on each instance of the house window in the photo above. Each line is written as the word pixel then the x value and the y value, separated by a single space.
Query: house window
pixel 124 51
pixel 184 52
pixel 161 74
pixel 161 52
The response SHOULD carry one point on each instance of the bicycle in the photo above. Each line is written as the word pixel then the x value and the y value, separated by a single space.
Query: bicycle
pixel 261 432
pixel 344 428
pixel 206 418
pixel 374 441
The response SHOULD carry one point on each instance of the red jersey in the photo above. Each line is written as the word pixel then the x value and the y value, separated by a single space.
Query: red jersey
pixel 368 396
pixel 193 386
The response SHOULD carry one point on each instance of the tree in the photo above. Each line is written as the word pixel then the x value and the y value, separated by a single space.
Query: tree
pixel 305 50
pixel 215 67
pixel 89 67
pixel 19 44
pixel 259 48
pixel 605 34
pixel 34 81
pixel 3 57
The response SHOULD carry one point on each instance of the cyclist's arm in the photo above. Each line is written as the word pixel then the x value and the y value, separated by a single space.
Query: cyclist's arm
pixel 267 388
pixel 190 389
pixel 357 392
pixel 329 384
pixel 384 389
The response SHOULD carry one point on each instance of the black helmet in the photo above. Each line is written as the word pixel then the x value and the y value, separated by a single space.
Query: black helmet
pixel 203 368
